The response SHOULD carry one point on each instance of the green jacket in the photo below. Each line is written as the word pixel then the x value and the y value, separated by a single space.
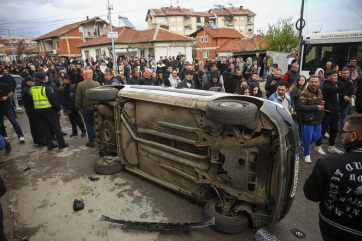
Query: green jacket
pixel 81 97
pixel 183 84
pixel 269 63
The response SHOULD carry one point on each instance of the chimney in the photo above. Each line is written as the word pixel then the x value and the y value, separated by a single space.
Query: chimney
pixel 171 7
pixel 178 7
pixel 241 8
pixel 87 18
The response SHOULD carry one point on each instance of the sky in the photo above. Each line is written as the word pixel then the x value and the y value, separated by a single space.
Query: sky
pixel 38 17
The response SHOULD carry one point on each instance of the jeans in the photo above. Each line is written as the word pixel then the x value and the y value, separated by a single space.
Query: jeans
pixel 344 112
pixel 310 134
pixel 266 71
pixel 259 68
pixel 88 120
pixel 11 116
pixel 153 69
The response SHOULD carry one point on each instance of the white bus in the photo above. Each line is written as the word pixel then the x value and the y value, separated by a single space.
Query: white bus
pixel 337 47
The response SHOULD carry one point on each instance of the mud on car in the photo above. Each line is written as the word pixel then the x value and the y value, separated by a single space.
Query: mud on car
pixel 235 154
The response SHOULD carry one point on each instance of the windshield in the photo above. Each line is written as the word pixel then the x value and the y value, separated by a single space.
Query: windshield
pixel 337 53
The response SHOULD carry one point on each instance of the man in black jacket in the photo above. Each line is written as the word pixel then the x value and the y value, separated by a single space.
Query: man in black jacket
pixel 74 75
pixel 148 79
pixel 330 91
pixel 272 83
pixel 69 106
pixel 346 95
pixel 292 74
pixel 227 80
pixel 134 80
pixel 336 184
pixel 234 81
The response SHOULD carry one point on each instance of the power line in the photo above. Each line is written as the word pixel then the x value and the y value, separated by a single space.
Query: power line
pixel 351 8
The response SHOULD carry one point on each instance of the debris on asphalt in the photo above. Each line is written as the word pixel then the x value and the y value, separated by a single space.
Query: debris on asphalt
pixel 27 169
pixel 154 226
pixel 297 233
pixel 93 178
pixel 78 205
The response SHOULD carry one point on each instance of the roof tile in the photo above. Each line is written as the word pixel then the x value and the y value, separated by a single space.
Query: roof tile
pixel 234 45
pixel 224 33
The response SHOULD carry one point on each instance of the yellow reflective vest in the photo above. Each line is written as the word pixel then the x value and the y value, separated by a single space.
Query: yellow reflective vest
pixel 40 98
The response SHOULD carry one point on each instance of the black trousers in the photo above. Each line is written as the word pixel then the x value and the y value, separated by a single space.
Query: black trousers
pixel 75 120
pixel 50 123
pixel 34 127
pixel 330 120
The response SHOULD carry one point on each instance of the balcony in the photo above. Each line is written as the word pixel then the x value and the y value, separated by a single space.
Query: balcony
pixel 229 23
pixel 188 24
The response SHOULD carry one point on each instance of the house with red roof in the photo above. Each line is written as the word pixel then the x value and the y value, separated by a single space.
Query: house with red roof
pixel 186 21
pixel 209 40
pixel 62 41
pixel 132 43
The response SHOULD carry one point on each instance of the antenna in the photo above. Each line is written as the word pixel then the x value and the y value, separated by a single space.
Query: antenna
pixel 321 27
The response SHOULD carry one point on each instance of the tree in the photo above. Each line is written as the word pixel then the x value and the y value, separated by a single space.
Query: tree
pixel 281 36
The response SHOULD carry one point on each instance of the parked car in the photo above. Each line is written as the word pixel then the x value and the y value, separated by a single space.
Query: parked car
pixel 236 154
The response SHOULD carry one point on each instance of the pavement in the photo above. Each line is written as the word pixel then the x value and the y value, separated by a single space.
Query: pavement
pixel 39 201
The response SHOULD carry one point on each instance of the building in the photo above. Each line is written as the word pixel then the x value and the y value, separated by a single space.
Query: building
pixel 155 42
pixel 209 40
pixel 240 19
pixel 175 19
pixel 185 21
pixel 63 41
pixel 236 46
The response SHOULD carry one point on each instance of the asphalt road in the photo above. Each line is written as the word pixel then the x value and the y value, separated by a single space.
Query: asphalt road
pixel 41 199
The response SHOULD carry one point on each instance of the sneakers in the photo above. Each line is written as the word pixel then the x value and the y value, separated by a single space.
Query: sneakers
pixel 307 159
pixel 89 145
pixel 73 134
pixel 326 135
pixel 319 150
pixel 334 150
pixel 65 145
pixel 19 108
pixel 52 147
pixel 22 139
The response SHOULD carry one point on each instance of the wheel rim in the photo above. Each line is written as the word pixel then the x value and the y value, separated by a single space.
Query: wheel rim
pixel 227 104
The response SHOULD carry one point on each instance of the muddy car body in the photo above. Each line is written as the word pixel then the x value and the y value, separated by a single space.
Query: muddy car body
pixel 237 154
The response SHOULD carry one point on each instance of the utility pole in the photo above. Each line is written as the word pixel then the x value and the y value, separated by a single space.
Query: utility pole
pixel 301 21
pixel 109 8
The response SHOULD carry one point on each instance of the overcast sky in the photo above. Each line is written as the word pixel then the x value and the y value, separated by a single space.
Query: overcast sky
pixel 38 17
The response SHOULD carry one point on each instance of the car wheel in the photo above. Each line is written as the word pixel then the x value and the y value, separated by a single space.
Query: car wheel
pixel 104 168
pixel 102 94
pixel 107 135
pixel 225 224
pixel 231 112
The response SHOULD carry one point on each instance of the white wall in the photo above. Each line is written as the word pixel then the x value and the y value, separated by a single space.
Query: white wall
pixel 164 50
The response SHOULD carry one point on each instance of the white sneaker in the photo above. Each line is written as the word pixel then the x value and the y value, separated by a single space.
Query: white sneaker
pixel 334 150
pixel 307 159
pixel 326 135
pixel 22 139
pixel 319 150
pixel 19 108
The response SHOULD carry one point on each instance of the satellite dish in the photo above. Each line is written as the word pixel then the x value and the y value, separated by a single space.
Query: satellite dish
pixel 218 6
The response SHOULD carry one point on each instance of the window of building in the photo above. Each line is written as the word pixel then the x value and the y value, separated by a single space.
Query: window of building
pixel 179 19
pixel 202 39
pixel 163 20
pixel 237 27
pixel 242 27
pixel 206 39
pixel 179 28
pixel 173 19
pixel 236 18
pixel 56 44
pixel 242 18
pixel 205 54
pixel 202 19
pixel 173 28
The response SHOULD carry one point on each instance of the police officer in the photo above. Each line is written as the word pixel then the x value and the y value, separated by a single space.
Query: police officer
pixel 69 93
pixel 29 108
pixel 46 108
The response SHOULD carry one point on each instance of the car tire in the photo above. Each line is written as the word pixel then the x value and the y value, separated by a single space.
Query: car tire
pixel 103 168
pixel 231 112
pixel 102 94
pixel 225 224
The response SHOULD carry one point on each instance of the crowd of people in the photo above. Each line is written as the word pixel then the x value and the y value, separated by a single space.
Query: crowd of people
pixel 318 103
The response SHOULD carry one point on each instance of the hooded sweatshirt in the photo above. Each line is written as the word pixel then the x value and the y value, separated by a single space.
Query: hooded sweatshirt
pixel 211 83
